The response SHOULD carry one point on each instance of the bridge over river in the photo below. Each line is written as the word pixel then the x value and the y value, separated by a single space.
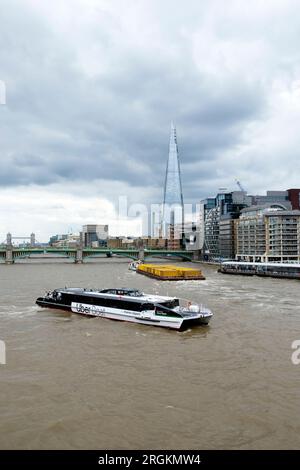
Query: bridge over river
pixel 10 254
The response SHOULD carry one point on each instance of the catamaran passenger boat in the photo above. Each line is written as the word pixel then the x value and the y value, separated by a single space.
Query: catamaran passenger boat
pixel 128 305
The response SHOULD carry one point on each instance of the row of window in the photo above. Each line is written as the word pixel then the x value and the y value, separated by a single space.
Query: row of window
pixel 117 303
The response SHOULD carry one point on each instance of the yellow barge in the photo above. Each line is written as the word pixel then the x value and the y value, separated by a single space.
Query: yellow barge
pixel 169 272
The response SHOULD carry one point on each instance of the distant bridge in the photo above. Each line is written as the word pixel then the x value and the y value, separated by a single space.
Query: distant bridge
pixel 31 239
pixel 10 254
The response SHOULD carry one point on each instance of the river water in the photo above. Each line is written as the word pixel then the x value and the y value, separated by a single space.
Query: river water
pixel 72 382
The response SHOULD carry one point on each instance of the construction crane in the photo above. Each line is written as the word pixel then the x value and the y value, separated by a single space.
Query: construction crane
pixel 240 186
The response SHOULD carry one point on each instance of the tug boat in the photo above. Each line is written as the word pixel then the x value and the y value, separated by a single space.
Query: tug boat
pixel 128 305
pixel 133 266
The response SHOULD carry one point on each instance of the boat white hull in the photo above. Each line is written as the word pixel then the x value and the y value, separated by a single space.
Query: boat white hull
pixel 139 317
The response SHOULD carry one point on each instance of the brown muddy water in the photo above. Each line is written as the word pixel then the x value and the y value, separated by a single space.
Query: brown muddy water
pixel 72 382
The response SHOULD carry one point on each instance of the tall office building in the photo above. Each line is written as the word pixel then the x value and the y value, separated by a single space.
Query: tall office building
pixel 172 213
pixel 94 235
pixel 219 228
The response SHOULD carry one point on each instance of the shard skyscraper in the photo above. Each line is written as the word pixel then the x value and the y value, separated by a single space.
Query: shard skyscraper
pixel 172 212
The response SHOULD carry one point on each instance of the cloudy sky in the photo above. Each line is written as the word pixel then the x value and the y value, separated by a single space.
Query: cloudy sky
pixel 92 87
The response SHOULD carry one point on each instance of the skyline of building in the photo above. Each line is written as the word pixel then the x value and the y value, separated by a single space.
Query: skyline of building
pixel 219 218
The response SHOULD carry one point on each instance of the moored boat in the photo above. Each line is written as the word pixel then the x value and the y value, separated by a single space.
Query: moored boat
pixel 280 270
pixel 128 305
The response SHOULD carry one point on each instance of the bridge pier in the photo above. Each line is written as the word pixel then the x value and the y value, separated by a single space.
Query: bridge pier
pixel 79 256
pixel 142 254
pixel 9 256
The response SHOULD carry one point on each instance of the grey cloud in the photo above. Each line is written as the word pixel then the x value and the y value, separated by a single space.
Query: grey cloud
pixel 26 160
pixel 62 123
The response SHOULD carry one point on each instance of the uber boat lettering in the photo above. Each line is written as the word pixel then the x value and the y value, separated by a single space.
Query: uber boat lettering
pixel 87 309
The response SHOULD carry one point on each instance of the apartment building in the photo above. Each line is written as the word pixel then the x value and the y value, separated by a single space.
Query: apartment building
pixel 283 236
pixel 268 233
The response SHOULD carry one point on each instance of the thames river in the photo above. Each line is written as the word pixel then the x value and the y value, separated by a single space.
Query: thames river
pixel 72 382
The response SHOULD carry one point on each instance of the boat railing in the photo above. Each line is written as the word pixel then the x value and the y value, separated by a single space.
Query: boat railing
pixel 190 308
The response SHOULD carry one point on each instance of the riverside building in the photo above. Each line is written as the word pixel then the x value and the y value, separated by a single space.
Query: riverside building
pixel 219 227
pixel 219 220
pixel 268 233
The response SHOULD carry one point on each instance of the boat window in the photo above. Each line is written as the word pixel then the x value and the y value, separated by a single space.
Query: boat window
pixel 127 305
pixel 134 293
pixel 171 303
pixel 127 292
pixel 107 302
pixel 147 307
pixel 161 309
pixel 117 302
pixel 81 299
pixel 108 291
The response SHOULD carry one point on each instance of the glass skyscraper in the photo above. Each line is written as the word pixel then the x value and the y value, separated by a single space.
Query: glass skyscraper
pixel 173 200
